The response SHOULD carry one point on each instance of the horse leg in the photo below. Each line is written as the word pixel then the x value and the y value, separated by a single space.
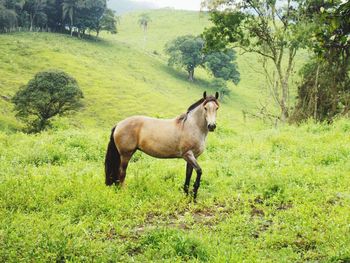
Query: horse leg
pixel 189 157
pixel 124 161
pixel 189 170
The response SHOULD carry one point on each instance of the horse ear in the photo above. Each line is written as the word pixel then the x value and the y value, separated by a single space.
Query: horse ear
pixel 216 95
pixel 205 95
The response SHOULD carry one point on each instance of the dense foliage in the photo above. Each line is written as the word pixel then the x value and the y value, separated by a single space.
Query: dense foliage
pixel 325 90
pixel 48 94
pixel 56 15
pixel 223 65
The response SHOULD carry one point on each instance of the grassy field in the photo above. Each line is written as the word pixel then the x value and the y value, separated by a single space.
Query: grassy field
pixel 268 194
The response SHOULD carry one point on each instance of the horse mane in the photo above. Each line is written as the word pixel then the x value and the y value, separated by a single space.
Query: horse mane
pixel 183 116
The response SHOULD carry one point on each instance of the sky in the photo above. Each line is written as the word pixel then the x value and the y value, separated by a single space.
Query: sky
pixel 177 4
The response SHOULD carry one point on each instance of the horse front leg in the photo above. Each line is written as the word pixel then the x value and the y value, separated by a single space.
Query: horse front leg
pixel 189 157
pixel 189 170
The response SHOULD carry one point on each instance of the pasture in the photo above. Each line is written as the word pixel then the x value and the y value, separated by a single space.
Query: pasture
pixel 268 194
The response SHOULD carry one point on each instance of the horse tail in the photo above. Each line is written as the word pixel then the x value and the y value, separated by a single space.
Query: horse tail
pixel 112 162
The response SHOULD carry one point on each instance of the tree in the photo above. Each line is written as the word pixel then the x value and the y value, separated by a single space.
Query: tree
pixel 144 21
pixel 8 19
pixel 267 28
pixel 108 22
pixel 53 10
pixel 325 90
pixel 89 14
pixel 68 7
pixel 48 94
pixel 34 7
pixel 186 52
pixel 222 65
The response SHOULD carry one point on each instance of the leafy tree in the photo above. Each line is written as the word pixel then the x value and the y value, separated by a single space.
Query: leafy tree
pixel 223 65
pixel 272 29
pixel 144 21
pixel 89 14
pixel 108 22
pixel 8 19
pixel 53 10
pixel 186 52
pixel 33 8
pixel 325 89
pixel 48 94
pixel 68 8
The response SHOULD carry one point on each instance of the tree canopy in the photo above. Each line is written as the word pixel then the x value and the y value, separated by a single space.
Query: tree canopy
pixel 187 52
pixel 325 89
pixel 48 94
pixel 223 65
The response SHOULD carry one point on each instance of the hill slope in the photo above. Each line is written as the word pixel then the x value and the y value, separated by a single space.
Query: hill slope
pixel 118 75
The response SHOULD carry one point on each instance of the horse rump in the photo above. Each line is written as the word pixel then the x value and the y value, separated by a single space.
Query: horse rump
pixel 112 162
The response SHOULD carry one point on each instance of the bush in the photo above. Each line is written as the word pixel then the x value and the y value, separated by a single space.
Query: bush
pixel 48 94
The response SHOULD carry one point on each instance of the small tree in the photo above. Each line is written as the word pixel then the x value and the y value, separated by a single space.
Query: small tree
pixel 48 94
pixel 108 22
pixel 187 52
pixel 222 65
pixel 144 21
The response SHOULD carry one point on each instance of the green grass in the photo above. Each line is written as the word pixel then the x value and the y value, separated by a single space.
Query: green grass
pixel 267 194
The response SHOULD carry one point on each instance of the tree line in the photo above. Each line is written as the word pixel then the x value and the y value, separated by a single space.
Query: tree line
pixel 74 16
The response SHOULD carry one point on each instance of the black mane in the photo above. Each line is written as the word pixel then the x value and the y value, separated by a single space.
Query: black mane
pixel 195 105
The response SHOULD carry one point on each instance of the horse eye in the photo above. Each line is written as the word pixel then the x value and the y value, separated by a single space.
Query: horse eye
pixel 205 108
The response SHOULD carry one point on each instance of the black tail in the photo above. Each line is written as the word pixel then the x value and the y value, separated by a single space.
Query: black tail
pixel 112 162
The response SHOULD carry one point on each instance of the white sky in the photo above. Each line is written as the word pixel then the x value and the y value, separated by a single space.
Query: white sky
pixel 178 4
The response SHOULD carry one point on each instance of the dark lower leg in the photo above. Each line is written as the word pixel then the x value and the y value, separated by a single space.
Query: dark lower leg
pixel 197 183
pixel 123 167
pixel 189 170
pixel 191 160
pixel 124 161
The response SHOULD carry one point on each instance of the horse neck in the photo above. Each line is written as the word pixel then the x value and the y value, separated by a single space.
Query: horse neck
pixel 196 118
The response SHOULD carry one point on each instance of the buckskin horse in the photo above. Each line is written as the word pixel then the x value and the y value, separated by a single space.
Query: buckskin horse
pixel 181 137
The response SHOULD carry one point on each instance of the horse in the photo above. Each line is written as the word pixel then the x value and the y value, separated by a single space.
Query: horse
pixel 180 137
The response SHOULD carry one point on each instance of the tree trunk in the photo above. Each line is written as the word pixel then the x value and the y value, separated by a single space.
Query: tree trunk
pixel 31 23
pixel 191 75
pixel 316 92
pixel 284 101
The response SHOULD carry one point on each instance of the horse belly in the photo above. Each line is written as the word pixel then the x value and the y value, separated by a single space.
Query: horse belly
pixel 160 141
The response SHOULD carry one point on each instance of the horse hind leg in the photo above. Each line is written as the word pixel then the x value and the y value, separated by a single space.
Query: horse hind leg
pixel 124 161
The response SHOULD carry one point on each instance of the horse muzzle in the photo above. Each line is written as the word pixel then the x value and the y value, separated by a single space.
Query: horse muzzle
pixel 211 127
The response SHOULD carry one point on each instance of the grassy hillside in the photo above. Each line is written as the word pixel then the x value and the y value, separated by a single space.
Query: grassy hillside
pixel 120 78
pixel 267 194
